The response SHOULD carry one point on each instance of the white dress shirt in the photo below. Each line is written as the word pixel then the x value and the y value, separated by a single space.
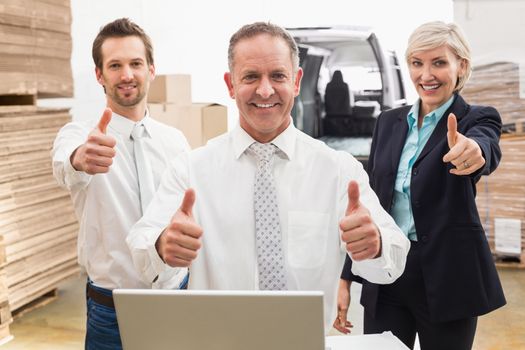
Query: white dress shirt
pixel 311 181
pixel 107 205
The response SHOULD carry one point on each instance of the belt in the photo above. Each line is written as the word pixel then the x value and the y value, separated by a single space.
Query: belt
pixel 99 297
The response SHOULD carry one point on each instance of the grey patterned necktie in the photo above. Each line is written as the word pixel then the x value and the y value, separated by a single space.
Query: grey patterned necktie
pixel 144 171
pixel 270 257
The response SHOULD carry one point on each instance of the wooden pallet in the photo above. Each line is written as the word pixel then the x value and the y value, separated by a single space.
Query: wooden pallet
pixel 510 262
pixel 513 137
pixel 18 103
pixel 5 335
pixel 45 299
pixel 18 100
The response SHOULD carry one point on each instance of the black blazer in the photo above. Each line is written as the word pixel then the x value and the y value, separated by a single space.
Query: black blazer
pixel 459 273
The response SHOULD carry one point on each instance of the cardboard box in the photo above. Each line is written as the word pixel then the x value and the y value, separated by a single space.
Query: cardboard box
pixel 172 89
pixel 501 197
pixel 199 122
pixel 214 119
pixel 500 85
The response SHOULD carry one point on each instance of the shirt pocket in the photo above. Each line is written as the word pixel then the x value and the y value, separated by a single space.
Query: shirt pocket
pixel 307 238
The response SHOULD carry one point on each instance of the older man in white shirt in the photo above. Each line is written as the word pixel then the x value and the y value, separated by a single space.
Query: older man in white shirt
pixel 208 211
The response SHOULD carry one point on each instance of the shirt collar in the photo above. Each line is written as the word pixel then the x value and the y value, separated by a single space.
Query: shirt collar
pixel 434 116
pixel 147 121
pixel 124 126
pixel 285 141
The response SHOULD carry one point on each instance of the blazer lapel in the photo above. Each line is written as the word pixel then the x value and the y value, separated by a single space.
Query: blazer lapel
pixel 399 134
pixel 459 107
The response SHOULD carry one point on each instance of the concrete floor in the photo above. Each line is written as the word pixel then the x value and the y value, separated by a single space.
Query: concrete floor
pixel 60 325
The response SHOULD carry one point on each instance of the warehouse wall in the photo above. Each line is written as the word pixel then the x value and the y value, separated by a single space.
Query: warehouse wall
pixel 192 37
pixel 496 31
pixel 495 28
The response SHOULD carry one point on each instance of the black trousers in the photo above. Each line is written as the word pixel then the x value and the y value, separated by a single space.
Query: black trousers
pixel 402 308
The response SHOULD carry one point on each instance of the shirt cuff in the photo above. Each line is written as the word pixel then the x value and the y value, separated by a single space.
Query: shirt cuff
pixel 377 270
pixel 73 176
pixel 156 266
pixel 159 273
pixel 171 278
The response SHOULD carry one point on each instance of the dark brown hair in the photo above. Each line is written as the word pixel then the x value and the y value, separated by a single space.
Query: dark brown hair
pixel 120 28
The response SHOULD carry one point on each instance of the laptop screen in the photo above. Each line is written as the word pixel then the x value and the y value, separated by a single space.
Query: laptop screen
pixel 220 320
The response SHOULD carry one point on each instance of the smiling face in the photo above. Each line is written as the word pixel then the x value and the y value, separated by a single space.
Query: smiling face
pixel 125 73
pixel 263 84
pixel 435 74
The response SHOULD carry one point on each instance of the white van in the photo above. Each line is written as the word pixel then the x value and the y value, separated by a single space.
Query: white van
pixel 342 112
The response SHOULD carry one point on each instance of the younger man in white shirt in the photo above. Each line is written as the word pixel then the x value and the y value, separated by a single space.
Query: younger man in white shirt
pixel 112 167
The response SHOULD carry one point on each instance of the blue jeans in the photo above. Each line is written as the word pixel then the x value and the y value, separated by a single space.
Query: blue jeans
pixel 102 331
pixel 184 283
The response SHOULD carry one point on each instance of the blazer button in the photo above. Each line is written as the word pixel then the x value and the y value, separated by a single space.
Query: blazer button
pixel 424 238
pixel 417 204
pixel 414 171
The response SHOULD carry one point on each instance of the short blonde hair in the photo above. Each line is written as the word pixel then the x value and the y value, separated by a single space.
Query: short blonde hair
pixel 430 35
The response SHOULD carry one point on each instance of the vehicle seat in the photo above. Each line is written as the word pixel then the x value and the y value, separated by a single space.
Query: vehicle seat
pixel 343 118
pixel 337 99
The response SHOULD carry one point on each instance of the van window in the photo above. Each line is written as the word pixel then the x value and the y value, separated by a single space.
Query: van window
pixel 341 110
pixel 399 89
pixel 362 78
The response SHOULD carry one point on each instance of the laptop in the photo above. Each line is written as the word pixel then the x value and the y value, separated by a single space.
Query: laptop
pixel 219 320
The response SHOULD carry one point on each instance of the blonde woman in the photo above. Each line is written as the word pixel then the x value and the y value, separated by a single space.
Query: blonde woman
pixel 424 164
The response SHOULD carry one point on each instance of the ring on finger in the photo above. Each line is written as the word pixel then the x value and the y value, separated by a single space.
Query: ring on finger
pixel 466 164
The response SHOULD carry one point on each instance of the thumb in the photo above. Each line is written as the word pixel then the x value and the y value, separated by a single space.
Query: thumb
pixel 452 126
pixel 104 120
pixel 187 202
pixel 353 197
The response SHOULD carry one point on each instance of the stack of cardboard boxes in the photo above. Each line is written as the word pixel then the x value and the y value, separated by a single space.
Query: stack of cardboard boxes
pixel 35 48
pixel 170 102
pixel 501 203
pixel 501 196
pixel 38 227
pixel 498 85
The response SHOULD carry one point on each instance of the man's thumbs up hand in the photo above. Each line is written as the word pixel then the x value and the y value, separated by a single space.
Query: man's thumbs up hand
pixel 353 197
pixel 358 230
pixel 186 208
pixel 179 243
pixel 95 156
pixel 104 120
